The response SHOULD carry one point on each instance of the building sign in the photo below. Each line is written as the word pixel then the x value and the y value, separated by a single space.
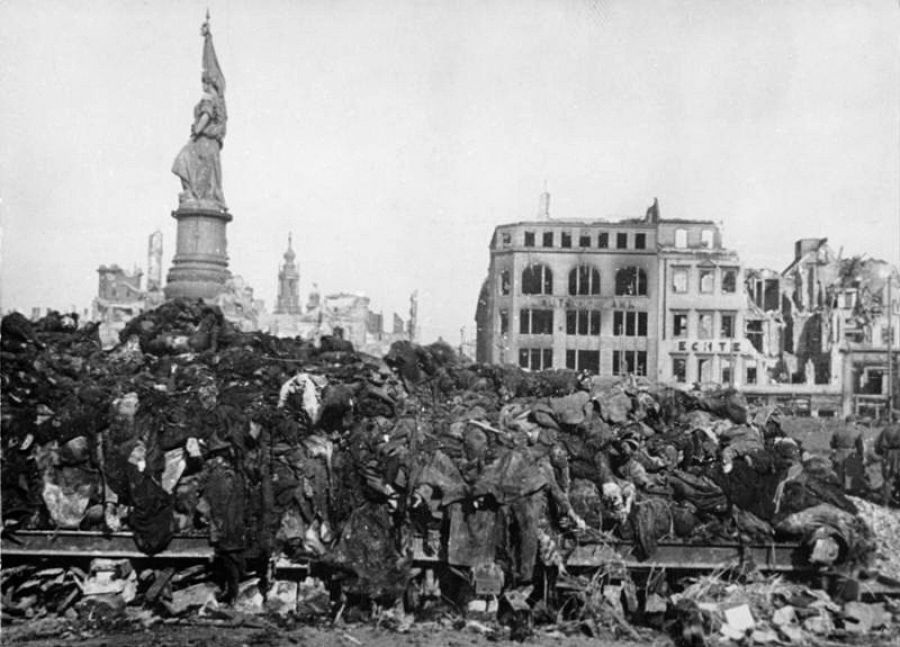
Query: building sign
pixel 708 346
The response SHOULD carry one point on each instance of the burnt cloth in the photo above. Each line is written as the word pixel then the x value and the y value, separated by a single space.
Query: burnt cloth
pixel 153 513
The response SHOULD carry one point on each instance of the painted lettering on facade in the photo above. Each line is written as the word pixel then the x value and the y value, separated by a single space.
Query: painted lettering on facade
pixel 708 346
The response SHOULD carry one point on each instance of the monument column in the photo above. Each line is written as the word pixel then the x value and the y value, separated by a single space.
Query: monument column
pixel 200 266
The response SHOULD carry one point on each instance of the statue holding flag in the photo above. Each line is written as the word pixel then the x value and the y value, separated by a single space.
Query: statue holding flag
pixel 197 164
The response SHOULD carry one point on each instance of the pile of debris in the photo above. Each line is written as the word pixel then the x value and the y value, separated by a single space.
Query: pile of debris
pixel 885 524
pixel 766 611
pixel 280 448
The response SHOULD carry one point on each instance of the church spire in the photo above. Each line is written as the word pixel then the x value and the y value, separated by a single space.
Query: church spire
pixel 288 283
pixel 289 255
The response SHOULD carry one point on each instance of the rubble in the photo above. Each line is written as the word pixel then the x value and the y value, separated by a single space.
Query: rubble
pixel 772 610
pixel 278 450
pixel 885 524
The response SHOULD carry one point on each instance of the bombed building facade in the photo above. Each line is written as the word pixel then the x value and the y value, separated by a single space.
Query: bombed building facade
pixel 824 328
pixel 122 295
pixel 345 314
pixel 571 294
pixel 702 307
pixel 647 296
pixel 664 298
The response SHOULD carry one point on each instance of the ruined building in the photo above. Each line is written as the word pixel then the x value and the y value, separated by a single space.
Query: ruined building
pixel 341 313
pixel 663 298
pixel 702 307
pixel 647 296
pixel 120 294
pixel 822 327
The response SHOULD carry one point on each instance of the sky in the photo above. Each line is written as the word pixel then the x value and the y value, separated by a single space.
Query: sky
pixel 391 138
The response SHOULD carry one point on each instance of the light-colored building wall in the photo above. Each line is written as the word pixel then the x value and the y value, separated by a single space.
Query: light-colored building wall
pixel 511 256
pixel 703 306
pixel 632 328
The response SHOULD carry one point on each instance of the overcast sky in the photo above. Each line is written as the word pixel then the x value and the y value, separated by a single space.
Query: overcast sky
pixel 392 137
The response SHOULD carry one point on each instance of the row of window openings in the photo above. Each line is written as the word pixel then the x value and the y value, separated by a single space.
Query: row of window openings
pixel 623 361
pixel 707 239
pixel 565 240
pixel 584 280
pixel 626 323
pixel 706 280
pixel 704 371
pixel 705 325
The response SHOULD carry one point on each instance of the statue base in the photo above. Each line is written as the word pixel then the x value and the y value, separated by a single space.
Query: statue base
pixel 200 265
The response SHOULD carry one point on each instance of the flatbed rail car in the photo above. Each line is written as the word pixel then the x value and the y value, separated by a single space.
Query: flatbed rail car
pixel 775 557
pixel 779 557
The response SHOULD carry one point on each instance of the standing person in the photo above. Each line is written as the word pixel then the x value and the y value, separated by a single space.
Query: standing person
pixel 847 451
pixel 887 445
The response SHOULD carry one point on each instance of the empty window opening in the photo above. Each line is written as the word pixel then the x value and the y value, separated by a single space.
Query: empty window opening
pixel 583 322
pixel 707 277
pixel 726 329
pixel 705 325
pixel 729 280
pixel 629 323
pixel 536 359
pixel 679 325
pixel 505 286
pixel 584 280
pixel 631 281
pixel 627 362
pixel 583 360
pixel 535 322
pixel 679 280
pixel 679 369
pixel 537 279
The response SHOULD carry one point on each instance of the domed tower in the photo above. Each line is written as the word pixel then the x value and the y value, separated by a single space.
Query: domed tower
pixel 288 284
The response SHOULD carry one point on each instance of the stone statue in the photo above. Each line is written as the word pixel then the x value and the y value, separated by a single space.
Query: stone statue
pixel 198 165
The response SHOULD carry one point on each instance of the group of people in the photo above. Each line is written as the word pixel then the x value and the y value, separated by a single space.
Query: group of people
pixel 849 458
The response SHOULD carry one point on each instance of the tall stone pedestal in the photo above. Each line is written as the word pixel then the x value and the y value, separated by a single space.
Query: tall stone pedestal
pixel 200 266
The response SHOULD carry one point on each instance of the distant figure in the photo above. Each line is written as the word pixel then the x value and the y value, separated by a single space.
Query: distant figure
pixel 887 445
pixel 847 451
pixel 810 372
pixel 198 165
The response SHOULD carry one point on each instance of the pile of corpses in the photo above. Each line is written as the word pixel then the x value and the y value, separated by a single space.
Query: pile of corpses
pixel 281 449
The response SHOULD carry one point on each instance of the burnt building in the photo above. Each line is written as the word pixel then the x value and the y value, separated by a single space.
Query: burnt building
pixel 347 314
pixel 825 327
pixel 643 296
pixel 702 307
pixel 571 294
